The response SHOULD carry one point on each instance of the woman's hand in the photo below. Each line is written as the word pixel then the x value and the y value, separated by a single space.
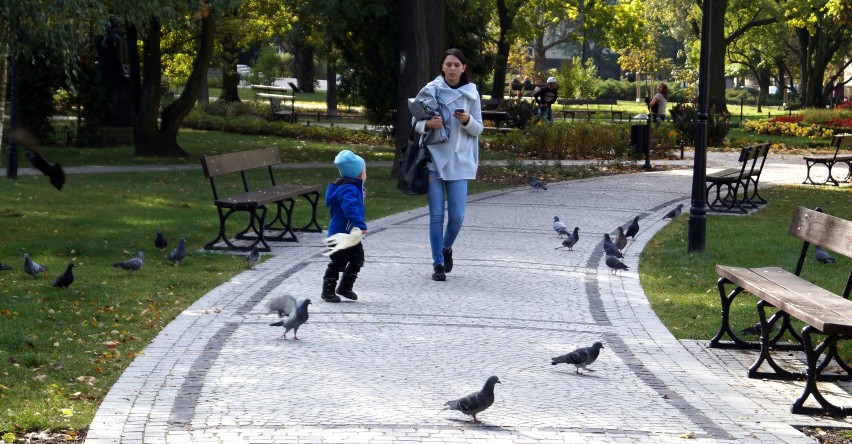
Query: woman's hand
pixel 435 122
pixel 462 116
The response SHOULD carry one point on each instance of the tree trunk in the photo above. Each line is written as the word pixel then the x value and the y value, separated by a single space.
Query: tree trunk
pixel 331 90
pixel 506 18
pixel 3 80
pixel 718 48
pixel 146 138
pixel 303 59
pixel 418 58
pixel 230 82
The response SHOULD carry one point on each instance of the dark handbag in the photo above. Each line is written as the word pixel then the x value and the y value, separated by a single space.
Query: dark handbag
pixel 413 176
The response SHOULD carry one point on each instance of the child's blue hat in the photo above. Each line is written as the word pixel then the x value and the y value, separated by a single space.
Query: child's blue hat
pixel 349 164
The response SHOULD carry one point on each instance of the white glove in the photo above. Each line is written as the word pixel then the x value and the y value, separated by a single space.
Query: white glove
pixel 340 241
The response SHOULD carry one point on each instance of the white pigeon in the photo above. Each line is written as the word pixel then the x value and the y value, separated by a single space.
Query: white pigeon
pixel 340 241
pixel 559 227
pixel 295 310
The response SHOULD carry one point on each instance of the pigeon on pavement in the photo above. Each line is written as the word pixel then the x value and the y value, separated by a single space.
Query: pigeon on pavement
pixel 31 268
pixel 475 402
pixel 610 248
pixel 673 213
pixel 4 267
pixel 340 241
pixel 65 279
pixel 633 228
pixel 160 241
pixel 580 357
pixel 620 239
pixel 614 264
pixel 252 256
pixel 571 239
pixel 54 171
pixel 822 256
pixel 295 310
pixel 559 227
pixel 178 253
pixel 131 264
pixel 536 184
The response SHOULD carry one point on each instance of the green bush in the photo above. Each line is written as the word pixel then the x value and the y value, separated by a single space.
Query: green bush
pixel 616 89
pixel 684 116
pixel 579 140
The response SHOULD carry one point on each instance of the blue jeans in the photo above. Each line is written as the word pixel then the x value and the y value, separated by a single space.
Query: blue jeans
pixel 456 199
pixel 545 112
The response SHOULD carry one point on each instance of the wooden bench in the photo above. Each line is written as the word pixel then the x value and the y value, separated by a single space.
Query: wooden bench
pixel 838 142
pixel 277 100
pixel 739 184
pixel 825 314
pixel 254 200
pixel 588 111
pixel 491 110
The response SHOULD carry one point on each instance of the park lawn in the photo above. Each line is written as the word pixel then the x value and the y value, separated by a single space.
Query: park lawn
pixel 61 350
pixel 681 286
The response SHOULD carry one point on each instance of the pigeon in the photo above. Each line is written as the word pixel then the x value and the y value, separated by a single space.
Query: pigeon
pixel 160 241
pixel 537 184
pixel 610 248
pixel 559 227
pixel 64 279
pixel 822 256
pixel 178 253
pixel 31 268
pixel 295 310
pixel 755 329
pixel 252 256
pixel 475 402
pixel 673 213
pixel 54 171
pixel 632 229
pixel 620 239
pixel 131 264
pixel 4 267
pixel 580 357
pixel 614 264
pixel 571 239
pixel 340 241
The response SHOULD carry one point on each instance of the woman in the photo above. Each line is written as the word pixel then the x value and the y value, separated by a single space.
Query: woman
pixel 455 160
pixel 660 100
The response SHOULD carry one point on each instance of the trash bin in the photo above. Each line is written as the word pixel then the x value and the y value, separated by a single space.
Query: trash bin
pixel 640 142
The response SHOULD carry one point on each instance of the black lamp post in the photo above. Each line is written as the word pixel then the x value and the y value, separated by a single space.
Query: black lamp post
pixel 697 227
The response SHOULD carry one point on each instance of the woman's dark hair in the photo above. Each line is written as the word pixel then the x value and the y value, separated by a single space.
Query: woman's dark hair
pixel 665 90
pixel 457 53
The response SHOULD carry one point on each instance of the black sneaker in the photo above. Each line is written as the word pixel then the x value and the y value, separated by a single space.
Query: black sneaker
pixel 448 260
pixel 439 275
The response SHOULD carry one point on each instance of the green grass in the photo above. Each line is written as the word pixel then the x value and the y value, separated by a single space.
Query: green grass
pixel 61 350
pixel 681 286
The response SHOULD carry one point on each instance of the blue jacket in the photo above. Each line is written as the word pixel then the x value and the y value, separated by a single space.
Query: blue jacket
pixel 345 201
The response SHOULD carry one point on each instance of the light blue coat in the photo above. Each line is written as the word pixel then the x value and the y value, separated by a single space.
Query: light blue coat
pixel 458 157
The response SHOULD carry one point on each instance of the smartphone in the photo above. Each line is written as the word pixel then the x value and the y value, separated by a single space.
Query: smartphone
pixel 459 111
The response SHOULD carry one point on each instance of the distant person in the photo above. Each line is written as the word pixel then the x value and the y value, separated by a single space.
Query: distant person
pixel 454 161
pixel 345 201
pixel 658 103
pixel 545 98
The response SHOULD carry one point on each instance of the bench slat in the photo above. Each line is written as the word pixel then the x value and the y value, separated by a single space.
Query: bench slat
pixel 219 164
pixel 823 229
pixel 254 199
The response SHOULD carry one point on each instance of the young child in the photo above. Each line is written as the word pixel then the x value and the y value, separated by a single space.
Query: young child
pixel 345 201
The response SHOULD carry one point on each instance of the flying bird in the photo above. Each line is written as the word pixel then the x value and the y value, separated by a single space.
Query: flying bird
pixel 178 253
pixel 52 171
pixel 293 311
pixel 160 241
pixel 620 239
pixel 340 241
pixel 610 248
pixel 571 239
pixel 252 256
pixel 674 212
pixel 559 227
pixel 31 268
pixel 633 228
pixel 580 357
pixel 822 256
pixel 475 402
pixel 536 184
pixel 131 264
pixel 65 279
pixel 614 264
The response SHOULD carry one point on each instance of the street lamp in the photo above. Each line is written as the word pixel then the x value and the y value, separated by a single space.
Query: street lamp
pixel 697 227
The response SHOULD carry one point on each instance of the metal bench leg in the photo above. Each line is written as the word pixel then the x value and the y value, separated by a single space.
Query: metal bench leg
pixel 812 163
pixel 812 354
pixel 287 234
pixel 313 226
pixel 725 327
pixel 831 178
pixel 767 343
pixel 255 221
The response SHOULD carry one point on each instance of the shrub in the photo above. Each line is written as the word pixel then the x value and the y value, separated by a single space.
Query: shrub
pixel 684 116
pixel 616 89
